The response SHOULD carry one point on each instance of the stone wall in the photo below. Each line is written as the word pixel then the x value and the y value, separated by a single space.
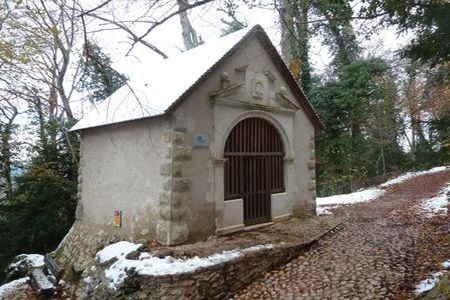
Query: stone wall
pixel 220 281
pixel 77 250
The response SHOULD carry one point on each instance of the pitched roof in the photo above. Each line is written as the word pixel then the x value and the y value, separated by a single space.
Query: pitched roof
pixel 163 86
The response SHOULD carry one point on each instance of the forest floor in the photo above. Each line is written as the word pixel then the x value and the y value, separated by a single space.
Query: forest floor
pixel 385 248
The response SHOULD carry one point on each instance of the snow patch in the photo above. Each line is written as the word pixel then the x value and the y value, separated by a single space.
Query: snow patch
pixel 32 260
pixel 147 264
pixel 323 210
pixel 324 204
pixel 12 286
pixel 356 197
pixel 446 264
pixel 436 205
pixel 411 175
pixel 119 249
pixel 261 247
pixel 429 283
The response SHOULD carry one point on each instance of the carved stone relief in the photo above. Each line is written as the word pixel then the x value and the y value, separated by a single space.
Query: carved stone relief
pixel 257 87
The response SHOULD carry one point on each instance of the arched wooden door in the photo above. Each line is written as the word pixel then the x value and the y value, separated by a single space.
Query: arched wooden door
pixel 254 155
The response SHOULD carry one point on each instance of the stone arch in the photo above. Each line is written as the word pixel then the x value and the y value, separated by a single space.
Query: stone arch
pixel 221 141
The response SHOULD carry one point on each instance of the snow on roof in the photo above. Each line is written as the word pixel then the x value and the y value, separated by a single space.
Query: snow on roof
pixel 152 89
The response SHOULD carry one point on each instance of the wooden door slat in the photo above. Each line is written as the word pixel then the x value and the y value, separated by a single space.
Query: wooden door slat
pixel 254 167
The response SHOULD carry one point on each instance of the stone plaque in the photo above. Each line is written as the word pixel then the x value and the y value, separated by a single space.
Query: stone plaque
pixel 201 140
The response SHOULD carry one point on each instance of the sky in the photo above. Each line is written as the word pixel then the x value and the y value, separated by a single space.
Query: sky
pixel 206 21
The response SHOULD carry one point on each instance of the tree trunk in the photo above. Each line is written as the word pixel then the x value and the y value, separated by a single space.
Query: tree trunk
pixel 190 38
pixel 295 39
pixel 6 154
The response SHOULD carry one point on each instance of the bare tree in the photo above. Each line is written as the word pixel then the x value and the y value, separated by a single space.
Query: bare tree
pixel 8 114
pixel 139 27
pixel 42 69
pixel 189 34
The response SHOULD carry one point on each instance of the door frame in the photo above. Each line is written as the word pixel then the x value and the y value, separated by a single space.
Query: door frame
pixel 226 117
pixel 254 167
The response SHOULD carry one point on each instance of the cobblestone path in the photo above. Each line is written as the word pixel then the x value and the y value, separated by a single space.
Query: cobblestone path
pixel 383 249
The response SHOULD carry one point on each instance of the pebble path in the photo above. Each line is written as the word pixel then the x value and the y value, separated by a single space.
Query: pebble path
pixel 374 255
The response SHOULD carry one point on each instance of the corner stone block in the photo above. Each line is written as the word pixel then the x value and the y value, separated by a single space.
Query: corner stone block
pixel 179 152
pixel 312 185
pixel 173 214
pixel 171 233
pixel 311 164
pixel 171 169
pixel 174 137
pixel 170 199
pixel 176 184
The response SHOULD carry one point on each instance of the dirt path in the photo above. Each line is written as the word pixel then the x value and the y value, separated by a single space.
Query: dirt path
pixel 384 248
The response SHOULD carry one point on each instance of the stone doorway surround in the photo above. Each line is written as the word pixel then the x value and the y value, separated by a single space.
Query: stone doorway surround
pixel 229 214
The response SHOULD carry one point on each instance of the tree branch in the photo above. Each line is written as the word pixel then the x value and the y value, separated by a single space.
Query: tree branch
pixel 95 8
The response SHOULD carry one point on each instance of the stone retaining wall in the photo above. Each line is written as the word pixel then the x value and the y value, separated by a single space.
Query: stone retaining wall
pixel 216 282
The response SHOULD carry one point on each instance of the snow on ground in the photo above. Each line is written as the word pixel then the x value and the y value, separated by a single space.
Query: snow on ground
pixel 261 247
pixel 147 264
pixel 324 204
pixel 360 196
pixel 323 210
pixel 32 260
pixel 23 262
pixel 119 249
pixel 430 282
pixel 11 286
pixel 436 205
pixel 410 175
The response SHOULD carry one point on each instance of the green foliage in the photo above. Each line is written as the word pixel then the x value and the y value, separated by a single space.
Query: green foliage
pixel 428 19
pixel 43 204
pixel 337 30
pixel 99 79
pixel 296 40
pixel 360 140
pixel 433 148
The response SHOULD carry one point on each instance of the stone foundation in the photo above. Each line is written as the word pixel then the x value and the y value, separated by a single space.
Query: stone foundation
pixel 77 250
